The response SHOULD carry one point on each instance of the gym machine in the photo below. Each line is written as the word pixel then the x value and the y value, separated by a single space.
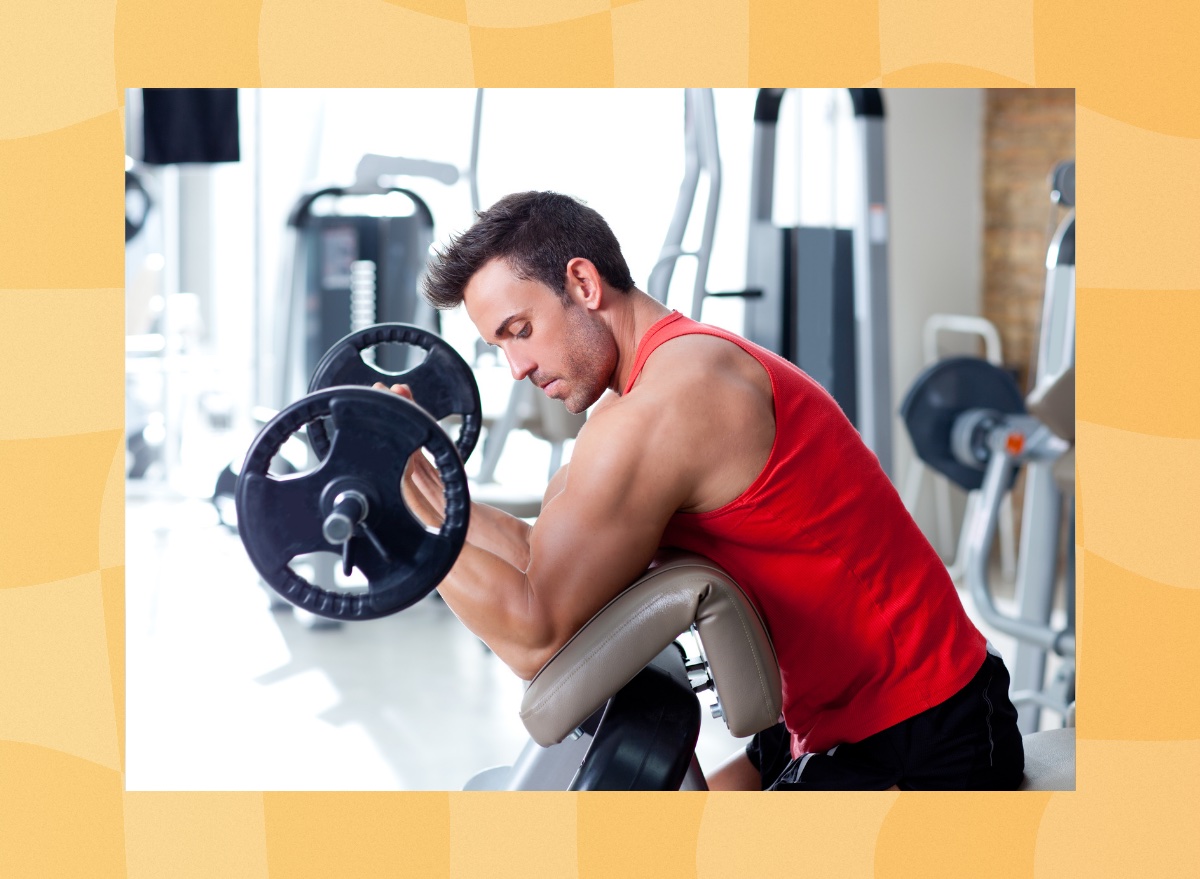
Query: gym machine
pixel 701 155
pixel 984 331
pixel 822 298
pixel 642 737
pixel 969 421
pixel 628 661
pixel 816 296
pixel 355 266
pixel 359 253
pixel 350 270
pixel 357 260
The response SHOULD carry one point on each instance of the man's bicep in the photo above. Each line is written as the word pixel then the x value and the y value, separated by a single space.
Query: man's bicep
pixel 599 533
pixel 556 484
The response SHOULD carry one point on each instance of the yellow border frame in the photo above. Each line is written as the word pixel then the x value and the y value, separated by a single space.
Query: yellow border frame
pixel 63 808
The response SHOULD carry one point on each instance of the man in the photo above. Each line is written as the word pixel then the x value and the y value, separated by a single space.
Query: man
pixel 702 441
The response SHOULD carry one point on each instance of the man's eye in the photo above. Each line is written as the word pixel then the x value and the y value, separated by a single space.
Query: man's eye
pixel 524 333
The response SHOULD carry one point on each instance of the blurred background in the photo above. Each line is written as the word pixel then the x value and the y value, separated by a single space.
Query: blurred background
pixel 230 258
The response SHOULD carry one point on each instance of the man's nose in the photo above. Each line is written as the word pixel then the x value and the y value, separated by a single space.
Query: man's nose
pixel 520 366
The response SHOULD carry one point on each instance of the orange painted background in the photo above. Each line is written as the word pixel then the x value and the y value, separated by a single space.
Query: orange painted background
pixel 63 66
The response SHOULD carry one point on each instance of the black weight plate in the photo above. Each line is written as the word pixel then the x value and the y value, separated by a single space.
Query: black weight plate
pixel 945 391
pixel 646 736
pixel 442 384
pixel 226 488
pixel 374 433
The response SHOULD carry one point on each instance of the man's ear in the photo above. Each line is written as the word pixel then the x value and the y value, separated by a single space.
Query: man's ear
pixel 584 284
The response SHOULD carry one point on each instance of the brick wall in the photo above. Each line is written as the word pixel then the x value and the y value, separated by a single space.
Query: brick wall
pixel 1026 133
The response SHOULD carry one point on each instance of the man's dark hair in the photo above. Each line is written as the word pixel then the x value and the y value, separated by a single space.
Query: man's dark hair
pixel 537 234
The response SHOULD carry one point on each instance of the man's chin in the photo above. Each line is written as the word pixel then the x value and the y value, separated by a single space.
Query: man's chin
pixel 576 403
pixel 579 399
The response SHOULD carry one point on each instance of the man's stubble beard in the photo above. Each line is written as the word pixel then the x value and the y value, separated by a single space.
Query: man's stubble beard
pixel 591 360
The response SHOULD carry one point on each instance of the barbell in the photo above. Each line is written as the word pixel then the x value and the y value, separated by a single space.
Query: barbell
pixel 352 503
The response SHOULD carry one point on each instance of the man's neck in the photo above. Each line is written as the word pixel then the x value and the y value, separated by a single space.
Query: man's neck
pixel 630 324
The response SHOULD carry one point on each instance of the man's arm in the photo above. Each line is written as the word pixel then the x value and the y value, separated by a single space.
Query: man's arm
pixel 490 529
pixel 592 539
pixel 494 530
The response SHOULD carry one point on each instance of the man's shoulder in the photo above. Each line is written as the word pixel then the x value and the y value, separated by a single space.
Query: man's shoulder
pixel 633 440
pixel 620 414
pixel 674 392
pixel 641 421
pixel 694 368
pixel 689 357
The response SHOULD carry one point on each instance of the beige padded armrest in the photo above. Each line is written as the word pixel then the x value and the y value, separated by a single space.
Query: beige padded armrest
pixel 678 590
pixel 1053 404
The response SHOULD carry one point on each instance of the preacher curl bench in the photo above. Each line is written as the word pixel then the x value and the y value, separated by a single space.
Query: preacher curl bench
pixel 614 709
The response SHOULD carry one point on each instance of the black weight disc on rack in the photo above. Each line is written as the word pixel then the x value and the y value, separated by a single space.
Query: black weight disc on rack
pixel 442 384
pixel 943 392
pixel 374 433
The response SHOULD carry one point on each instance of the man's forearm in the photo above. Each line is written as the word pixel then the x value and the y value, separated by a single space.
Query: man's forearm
pixel 492 598
pixel 506 536
pixel 491 530
pixel 496 532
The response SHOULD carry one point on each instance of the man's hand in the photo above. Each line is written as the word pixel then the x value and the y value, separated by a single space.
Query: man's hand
pixel 491 530
pixel 421 486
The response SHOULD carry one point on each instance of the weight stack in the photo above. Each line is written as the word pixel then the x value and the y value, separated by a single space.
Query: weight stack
pixel 809 319
pixel 336 247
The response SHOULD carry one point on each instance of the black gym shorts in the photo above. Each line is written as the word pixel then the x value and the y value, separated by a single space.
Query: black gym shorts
pixel 969 742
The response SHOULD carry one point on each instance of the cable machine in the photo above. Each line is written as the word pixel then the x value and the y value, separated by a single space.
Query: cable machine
pixel 969 421
pixel 815 295
pixel 818 295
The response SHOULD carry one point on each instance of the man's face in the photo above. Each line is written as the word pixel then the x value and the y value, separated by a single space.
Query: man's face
pixel 568 351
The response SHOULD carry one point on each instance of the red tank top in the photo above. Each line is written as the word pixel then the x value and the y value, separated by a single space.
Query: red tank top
pixel 865 620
